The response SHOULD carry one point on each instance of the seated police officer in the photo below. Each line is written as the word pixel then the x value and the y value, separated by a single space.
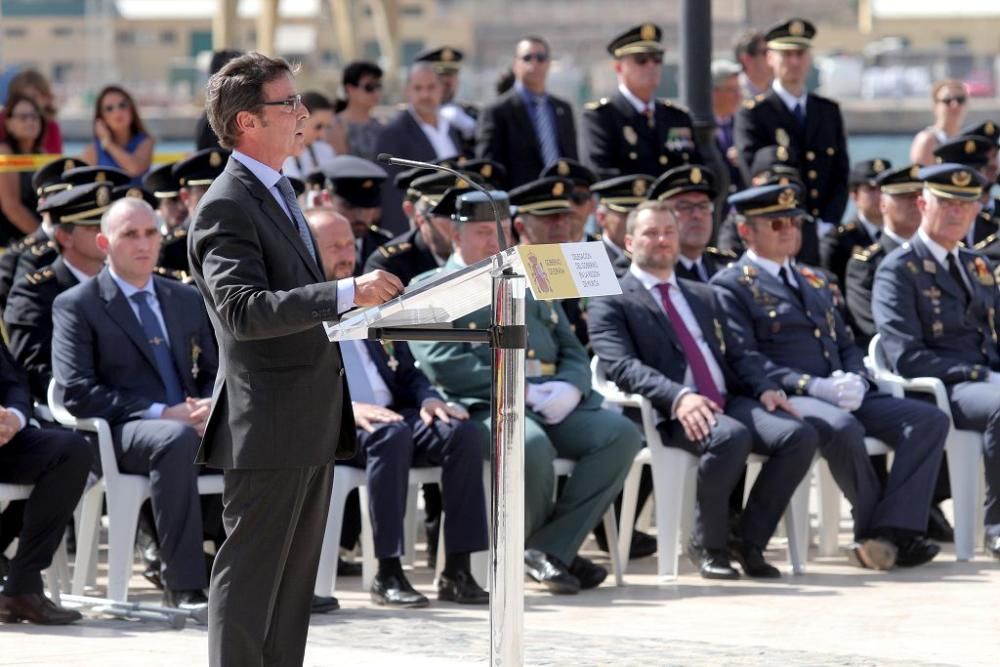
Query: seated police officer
pixel 192 176
pixel 784 315
pixel 403 422
pixel 354 190
pixel 56 462
pixel 565 418
pixel 703 388
pixel 615 198
pixel 161 183
pixel 581 199
pixel 138 350
pixel 935 305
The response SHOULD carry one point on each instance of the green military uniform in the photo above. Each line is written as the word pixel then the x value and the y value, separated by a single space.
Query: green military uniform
pixel 602 443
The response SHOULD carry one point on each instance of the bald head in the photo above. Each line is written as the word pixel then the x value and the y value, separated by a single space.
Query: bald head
pixel 131 238
pixel 334 240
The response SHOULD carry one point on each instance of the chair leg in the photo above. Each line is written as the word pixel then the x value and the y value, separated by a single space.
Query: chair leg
pixel 410 522
pixel 611 531
pixel 798 507
pixel 439 565
pixel 669 497
pixel 829 510
pixel 630 495
pixel 963 470
pixel 123 515
pixel 57 575
pixel 326 574
pixel 369 563
pixel 88 529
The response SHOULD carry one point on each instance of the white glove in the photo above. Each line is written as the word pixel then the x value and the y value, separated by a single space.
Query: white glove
pixel 851 390
pixel 564 397
pixel 536 394
pixel 825 389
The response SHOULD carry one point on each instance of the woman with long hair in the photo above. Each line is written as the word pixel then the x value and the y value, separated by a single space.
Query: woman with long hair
pixel 31 83
pixel 24 127
pixel 120 138
pixel 950 108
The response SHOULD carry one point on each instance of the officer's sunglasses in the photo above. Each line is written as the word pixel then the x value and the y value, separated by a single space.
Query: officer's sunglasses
pixel 643 58
pixel 372 87
pixel 777 224
pixel 537 57
pixel 956 99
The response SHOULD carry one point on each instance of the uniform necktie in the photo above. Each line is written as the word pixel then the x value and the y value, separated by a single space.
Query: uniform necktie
pixel 161 351
pixel 546 132
pixel 703 381
pixel 800 115
pixel 648 113
pixel 357 379
pixel 288 194
pixel 956 274
pixel 783 274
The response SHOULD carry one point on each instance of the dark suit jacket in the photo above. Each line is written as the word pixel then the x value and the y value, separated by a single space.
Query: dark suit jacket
pixel 836 248
pixel 408 385
pixel 927 327
pixel 858 285
pixel 627 333
pixel 281 400
pixel 103 358
pixel 713 259
pixel 28 317
pixel 14 391
pixel 402 137
pixel 506 134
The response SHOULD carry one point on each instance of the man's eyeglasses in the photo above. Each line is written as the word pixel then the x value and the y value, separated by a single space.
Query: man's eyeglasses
pixel 372 87
pixel 123 105
pixel 777 224
pixel 956 99
pixel 643 58
pixel 686 210
pixel 537 57
pixel 291 103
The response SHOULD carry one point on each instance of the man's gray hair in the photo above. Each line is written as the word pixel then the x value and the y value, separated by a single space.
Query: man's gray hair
pixel 125 207
pixel 239 86
pixel 421 66
pixel 722 70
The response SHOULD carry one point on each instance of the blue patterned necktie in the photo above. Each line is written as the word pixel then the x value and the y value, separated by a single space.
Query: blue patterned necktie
pixel 161 350
pixel 288 194
pixel 546 131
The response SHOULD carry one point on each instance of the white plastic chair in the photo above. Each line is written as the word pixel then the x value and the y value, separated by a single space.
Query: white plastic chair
pixel 57 575
pixel 125 493
pixel 963 448
pixel 675 474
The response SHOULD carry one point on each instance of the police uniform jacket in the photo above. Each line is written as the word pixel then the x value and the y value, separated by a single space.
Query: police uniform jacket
pixel 713 259
pixel 836 248
pixel 370 243
pixel 9 259
pixel 405 256
pixel 927 327
pixel 794 341
pixel 620 140
pixel 860 281
pixel 173 250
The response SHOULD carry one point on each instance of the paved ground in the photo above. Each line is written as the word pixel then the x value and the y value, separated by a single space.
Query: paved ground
pixel 942 614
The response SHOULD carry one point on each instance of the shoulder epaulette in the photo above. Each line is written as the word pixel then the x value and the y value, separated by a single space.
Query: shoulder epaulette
pixel 378 230
pixel 39 277
pixel 728 254
pixel 175 234
pixel 40 249
pixel 179 276
pixel 675 105
pixel 985 242
pixel 596 103
pixel 867 253
pixel 394 248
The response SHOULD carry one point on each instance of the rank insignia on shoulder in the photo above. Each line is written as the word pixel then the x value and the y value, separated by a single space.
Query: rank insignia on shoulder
pixel 985 242
pixel 40 276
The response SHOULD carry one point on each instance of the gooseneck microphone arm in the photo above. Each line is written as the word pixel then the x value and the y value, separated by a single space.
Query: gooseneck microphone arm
pixel 385 158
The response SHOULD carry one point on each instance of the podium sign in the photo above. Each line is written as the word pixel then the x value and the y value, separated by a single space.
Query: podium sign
pixel 568 270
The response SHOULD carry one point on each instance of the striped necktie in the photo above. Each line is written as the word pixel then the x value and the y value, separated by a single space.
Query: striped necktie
pixel 546 130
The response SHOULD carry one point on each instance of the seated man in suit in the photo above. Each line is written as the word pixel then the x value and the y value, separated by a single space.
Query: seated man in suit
pixel 565 418
pixel 137 350
pixel 935 304
pixel 615 198
pixel 704 389
pixel 403 422
pixel 690 191
pixel 783 315
pixel 56 462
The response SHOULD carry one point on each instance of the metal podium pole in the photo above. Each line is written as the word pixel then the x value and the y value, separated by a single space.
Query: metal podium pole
pixel 507 489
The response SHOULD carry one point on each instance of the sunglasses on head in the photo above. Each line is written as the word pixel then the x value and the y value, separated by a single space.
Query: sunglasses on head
pixel 537 57
pixel 957 99
pixel 108 108
pixel 643 58
pixel 372 87
pixel 777 224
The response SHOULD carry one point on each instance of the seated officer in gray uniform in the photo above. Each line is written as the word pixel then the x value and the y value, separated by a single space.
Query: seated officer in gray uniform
pixel 402 422
pixel 690 192
pixel 784 315
pixel 354 187
pixel 565 418
pixel 703 388
pixel 979 153
pixel 161 182
pixel 615 198
pixel 935 304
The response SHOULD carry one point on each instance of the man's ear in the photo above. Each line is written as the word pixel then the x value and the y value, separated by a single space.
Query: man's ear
pixel 103 242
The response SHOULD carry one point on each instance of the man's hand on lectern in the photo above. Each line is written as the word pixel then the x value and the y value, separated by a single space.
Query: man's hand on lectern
pixel 376 287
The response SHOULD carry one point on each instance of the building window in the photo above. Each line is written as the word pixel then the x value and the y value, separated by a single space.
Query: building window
pixel 956 43
pixel 125 37
pixel 62 31
pixel 15 33
pixel 168 37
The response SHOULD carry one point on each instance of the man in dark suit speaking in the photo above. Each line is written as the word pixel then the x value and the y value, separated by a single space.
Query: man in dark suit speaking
pixel 281 411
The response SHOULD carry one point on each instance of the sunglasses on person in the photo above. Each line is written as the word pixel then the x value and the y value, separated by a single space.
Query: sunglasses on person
pixel 372 87
pixel 578 198
pixel 956 99
pixel 291 104
pixel 687 210
pixel 644 58
pixel 27 116
pixel 121 106
pixel 537 57
pixel 777 224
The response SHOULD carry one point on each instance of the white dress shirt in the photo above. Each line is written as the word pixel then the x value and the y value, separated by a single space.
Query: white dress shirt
pixel 789 100
pixel 438 135
pixel 638 104
pixel 383 397
pixel 941 255
pixel 650 282
pixel 773 267
pixel 77 273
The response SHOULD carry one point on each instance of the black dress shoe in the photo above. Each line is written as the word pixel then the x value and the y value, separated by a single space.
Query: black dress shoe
pixel 916 551
pixel 35 608
pixel 751 559
pixel 715 565
pixel 550 572
pixel 993 546
pixel 348 568
pixel 643 544
pixel 322 605
pixel 461 588
pixel 191 600
pixel 393 590
pixel 589 574
pixel 938 528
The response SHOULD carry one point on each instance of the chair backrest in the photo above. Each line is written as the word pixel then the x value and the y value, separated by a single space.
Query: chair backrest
pixel 105 445
pixel 602 385
pixel 876 352
pixel 9 492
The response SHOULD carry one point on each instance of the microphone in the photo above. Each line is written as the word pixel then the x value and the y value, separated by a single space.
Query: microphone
pixel 385 158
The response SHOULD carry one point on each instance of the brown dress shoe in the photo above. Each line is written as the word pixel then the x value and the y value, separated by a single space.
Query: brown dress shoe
pixel 35 608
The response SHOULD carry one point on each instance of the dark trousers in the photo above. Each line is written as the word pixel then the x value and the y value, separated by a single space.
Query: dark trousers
pixel 387 455
pixel 264 574
pixel 57 463
pixel 165 450
pixel 746 427
pixel 914 429
pixel 976 406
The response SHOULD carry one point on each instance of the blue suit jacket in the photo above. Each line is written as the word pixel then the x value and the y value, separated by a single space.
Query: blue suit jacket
pixel 102 357
pixel 641 353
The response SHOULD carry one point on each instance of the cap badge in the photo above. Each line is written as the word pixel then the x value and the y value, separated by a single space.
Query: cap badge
pixel 990 129
pixel 134 192
pixel 486 170
pixel 558 189
pixel 787 198
pixel 639 187
pixel 878 166
pixel 781 153
pixel 695 175
pixel 961 178
pixel 461 183
pixel 103 196
pixel 796 28
pixel 67 165
pixel 562 168
pixel 100 177
pixel 915 172
pixel 214 159
pixel 970 147
pixel 447 55
pixel 368 185
pixel 647 32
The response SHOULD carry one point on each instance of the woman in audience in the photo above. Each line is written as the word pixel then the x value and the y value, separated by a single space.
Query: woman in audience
pixel 32 84
pixel 120 138
pixel 324 138
pixel 363 87
pixel 950 107
pixel 24 127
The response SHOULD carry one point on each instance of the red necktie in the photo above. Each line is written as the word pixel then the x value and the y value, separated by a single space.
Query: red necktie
pixel 703 380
